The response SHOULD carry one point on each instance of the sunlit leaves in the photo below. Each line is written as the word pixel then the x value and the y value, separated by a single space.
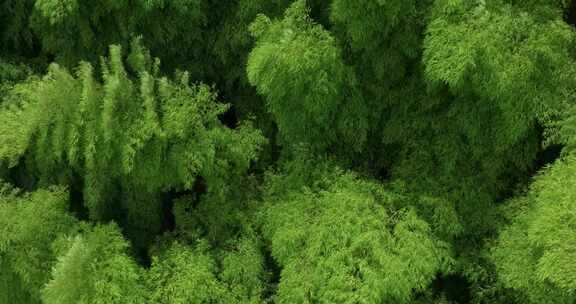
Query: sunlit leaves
pixel 298 68
pixel 131 137
pixel 518 62
pixel 29 223
pixel 535 253
pixel 94 267
pixel 185 274
pixel 348 244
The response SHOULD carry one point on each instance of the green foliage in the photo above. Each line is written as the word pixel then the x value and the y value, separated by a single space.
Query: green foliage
pixel 184 274
pixel 217 220
pixel 233 41
pixel 16 37
pixel 518 65
pixel 11 73
pixel 94 267
pixel 12 289
pixel 494 74
pixel 370 27
pixel 502 55
pixel 347 243
pixel 297 66
pixel 29 223
pixel 342 151
pixel 177 31
pixel 130 137
pixel 534 253
pixel 77 30
pixel 382 41
pixel 243 269
pixel 561 129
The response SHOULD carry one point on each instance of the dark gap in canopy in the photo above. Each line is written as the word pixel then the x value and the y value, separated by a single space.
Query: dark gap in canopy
pixel 195 193
pixel 519 180
pixel 274 271
pixel 229 118
pixel 455 288
pixel 76 197
pixel 320 12
pixel 570 14
pixel 547 155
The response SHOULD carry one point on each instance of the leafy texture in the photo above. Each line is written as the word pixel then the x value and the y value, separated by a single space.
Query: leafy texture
pixel 534 253
pixel 494 74
pixel 184 274
pixel 93 267
pixel 347 244
pixel 131 138
pixel 16 37
pixel 29 223
pixel 297 66
pixel 287 151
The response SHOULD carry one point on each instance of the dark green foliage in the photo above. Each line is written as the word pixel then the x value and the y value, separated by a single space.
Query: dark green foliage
pixel 13 289
pixel 234 42
pixel 176 30
pixel 12 73
pixel 16 36
pixel 341 151
pixel 371 27
pixel 382 40
pixel 78 30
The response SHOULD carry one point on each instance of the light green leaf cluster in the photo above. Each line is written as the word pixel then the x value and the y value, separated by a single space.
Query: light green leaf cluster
pixel 94 268
pixel 185 275
pixel 513 61
pixel 68 261
pixel 347 243
pixel 535 253
pixel 131 136
pixel 29 224
pixel 243 269
pixel 298 67
pixel 197 274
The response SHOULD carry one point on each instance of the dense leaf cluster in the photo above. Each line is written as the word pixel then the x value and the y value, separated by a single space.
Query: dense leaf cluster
pixel 287 151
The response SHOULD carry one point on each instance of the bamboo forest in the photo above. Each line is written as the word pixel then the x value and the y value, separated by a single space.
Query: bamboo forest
pixel 288 151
